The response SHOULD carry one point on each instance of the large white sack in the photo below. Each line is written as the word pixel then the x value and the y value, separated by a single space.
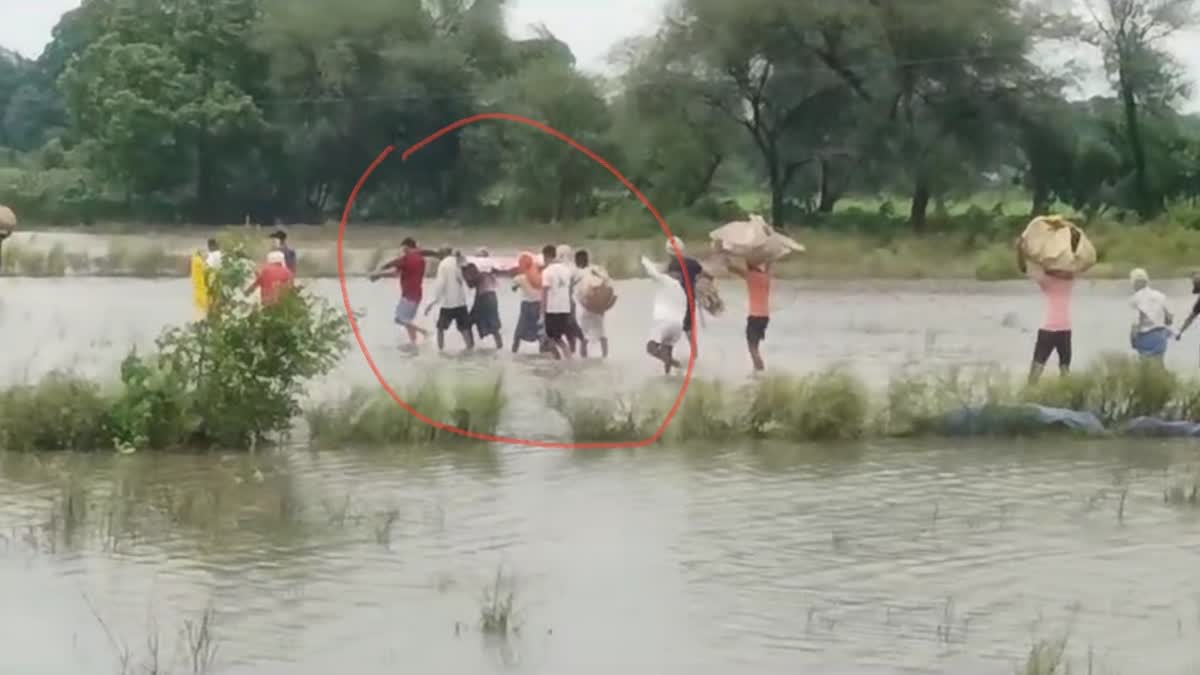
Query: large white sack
pixel 755 240
pixel 1046 242
pixel 8 219
pixel 595 290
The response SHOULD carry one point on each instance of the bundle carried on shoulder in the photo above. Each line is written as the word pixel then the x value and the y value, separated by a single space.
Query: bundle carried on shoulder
pixel 1055 243
pixel 707 296
pixel 595 291
pixel 8 219
pixel 755 240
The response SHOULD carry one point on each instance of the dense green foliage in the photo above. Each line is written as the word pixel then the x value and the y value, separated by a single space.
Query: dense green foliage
pixel 215 111
pixel 226 381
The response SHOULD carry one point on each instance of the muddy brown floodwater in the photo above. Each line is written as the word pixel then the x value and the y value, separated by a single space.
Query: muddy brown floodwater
pixel 873 557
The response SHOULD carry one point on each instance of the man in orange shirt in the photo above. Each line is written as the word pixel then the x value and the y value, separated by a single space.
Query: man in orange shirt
pixel 758 291
pixel 273 278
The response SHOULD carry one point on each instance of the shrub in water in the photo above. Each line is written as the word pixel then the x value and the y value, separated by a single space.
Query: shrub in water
pixel 153 408
pixel 371 417
pixel 245 366
pixel 62 412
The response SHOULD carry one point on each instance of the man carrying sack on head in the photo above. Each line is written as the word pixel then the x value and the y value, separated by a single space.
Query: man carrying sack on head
pixel 8 223
pixel 1053 251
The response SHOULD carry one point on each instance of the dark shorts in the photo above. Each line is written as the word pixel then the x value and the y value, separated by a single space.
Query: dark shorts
pixel 1052 341
pixel 456 315
pixel 558 326
pixel 756 329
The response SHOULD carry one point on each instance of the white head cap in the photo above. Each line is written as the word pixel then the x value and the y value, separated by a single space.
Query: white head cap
pixel 1139 278
pixel 563 252
pixel 671 249
pixel 275 258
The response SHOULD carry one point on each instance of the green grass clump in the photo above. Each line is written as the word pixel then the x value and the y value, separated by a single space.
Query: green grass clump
pixel 370 417
pixel 1117 388
pixel 705 414
pixel 61 412
pixel 614 419
pixel 829 405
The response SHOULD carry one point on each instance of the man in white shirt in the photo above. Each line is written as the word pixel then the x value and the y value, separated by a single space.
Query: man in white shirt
pixel 670 306
pixel 212 261
pixel 450 291
pixel 1151 330
pixel 556 301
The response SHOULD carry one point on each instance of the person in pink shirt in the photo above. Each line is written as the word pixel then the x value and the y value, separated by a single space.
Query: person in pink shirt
pixel 1055 334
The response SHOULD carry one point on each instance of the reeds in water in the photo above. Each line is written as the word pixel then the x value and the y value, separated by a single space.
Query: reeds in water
pixel 371 417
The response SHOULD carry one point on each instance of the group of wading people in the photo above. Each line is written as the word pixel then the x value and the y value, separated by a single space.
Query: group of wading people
pixel 1149 334
pixel 554 311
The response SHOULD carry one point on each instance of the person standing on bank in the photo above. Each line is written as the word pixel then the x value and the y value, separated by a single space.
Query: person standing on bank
pixel 273 279
pixel 556 302
pixel 449 290
pixel 1055 334
pixel 279 240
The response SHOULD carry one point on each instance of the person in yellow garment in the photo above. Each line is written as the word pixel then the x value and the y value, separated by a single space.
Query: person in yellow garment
pixel 204 265
pixel 200 284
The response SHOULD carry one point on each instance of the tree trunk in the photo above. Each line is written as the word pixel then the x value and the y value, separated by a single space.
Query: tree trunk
pixel 828 197
pixel 1141 185
pixel 1041 198
pixel 705 182
pixel 775 183
pixel 920 206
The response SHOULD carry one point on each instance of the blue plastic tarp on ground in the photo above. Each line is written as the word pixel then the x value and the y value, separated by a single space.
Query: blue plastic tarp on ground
pixel 1152 426
pixel 1008 420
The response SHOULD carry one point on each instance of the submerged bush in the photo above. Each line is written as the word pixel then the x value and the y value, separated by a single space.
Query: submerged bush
pixel 1118 388
pixel 612 420
pixel 62 412
pixel 371 417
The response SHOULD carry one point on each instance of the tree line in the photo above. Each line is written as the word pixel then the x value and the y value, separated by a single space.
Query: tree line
pixel 212 111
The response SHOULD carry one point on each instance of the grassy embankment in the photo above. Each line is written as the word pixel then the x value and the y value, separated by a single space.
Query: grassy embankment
pixel 863 240
pixel 66 413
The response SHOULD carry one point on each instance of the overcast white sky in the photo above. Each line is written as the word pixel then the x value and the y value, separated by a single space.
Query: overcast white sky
pixel 590 27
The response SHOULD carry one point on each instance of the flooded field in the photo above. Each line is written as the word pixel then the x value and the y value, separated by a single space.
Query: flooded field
pixel 89 325
pixel 922 557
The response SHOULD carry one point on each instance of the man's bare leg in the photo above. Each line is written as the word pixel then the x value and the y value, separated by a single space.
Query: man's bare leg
pixel 1035 372
pixel 756 357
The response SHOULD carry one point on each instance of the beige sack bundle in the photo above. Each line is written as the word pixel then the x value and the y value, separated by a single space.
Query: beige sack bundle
pixel 595 291
pixel 707 296
pixel 1046 243
pixel 755 240
pixel 8 219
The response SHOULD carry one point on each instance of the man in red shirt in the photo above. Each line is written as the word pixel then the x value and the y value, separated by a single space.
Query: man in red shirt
pixel 273 278
pixel 410 268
